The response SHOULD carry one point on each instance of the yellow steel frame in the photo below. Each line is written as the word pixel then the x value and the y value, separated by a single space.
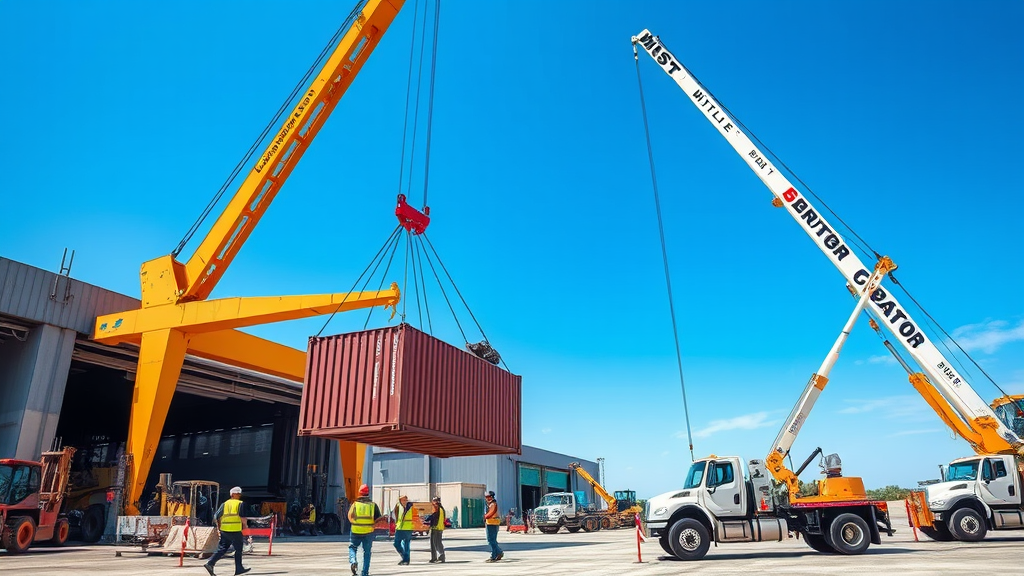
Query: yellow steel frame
pixel 176 318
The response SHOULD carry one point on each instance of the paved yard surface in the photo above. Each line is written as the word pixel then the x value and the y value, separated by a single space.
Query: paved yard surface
pixel 599 553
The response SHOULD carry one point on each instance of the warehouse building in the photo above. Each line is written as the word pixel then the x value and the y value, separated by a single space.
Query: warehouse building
pixel 517 481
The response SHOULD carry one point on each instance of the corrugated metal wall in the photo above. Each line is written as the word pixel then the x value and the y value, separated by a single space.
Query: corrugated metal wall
pixel 25 293
pixel 499 473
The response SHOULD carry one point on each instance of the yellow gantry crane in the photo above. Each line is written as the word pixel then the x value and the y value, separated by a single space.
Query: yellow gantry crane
pixel 177 319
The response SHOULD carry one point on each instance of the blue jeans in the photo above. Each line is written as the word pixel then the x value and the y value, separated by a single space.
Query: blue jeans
pixel 402 543
pixel 492 540
pixel 366 541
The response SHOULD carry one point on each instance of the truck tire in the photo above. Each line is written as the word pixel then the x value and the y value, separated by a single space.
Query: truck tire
pixel 689 539
pixel 938 532
pixel 549 529
pixel 573 529
pixel 967 525
pixel 18 534
pixel 606 523
pixel 590 524
pixel 60 532
pixel 818 543
pixel 848 534
pixel 663 540
pixel 93 522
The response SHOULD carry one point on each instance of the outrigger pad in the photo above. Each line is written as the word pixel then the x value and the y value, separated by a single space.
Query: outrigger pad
pixel 483 350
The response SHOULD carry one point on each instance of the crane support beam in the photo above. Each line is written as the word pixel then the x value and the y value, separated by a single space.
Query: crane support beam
pixel 228 313
pixel 895 317
pixel 160 360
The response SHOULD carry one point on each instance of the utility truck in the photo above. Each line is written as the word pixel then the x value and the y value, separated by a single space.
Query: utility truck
pixel 722 501
pixel 567 510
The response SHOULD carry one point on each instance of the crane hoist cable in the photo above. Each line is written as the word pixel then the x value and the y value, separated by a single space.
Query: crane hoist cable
pixel 664 252
pixel 275 121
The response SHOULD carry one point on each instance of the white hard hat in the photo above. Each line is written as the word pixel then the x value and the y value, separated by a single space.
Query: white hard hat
pixel 236 490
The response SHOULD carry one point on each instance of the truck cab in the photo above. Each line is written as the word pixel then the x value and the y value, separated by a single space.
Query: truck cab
pixel 557 510
pixel 977 494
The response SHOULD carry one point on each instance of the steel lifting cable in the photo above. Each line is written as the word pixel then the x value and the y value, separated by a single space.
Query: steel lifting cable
pixel 664 252
pixel 376 259
pixel 443 293
pixel 383 277
pixel 430 100
pixel 299 86
pixel 426 305
pixel 408 95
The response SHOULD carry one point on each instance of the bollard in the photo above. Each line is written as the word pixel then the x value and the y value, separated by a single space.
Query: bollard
pixel 639 537
pixel 184 539
pixel 911 517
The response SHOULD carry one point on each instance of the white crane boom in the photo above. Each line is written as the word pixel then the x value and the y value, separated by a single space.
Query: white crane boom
pixel 940 371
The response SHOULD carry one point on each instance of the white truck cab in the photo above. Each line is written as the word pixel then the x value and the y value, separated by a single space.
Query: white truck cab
pixel 977 494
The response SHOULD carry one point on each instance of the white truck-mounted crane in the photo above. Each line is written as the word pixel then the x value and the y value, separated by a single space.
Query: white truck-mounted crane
pixel 979 493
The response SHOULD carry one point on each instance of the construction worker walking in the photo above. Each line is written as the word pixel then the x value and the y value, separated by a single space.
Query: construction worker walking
pixel 362 515
pixel 403 528
pixel 492 519
pixel 230 521
pixel 436 522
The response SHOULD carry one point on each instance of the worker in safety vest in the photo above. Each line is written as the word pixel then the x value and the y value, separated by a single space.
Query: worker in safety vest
pixel 362 514
pixel 403 528
pixel 492 519
pixel 230 519
pixel 436 522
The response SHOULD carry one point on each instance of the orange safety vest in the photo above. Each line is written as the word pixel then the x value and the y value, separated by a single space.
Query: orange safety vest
pixel 230 520
pixel 363 513
pixel 493 520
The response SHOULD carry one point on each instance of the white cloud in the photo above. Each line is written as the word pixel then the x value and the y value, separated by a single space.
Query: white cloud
pixel 882 359
pixel 545 431
pixel 988 336
pixel 744 422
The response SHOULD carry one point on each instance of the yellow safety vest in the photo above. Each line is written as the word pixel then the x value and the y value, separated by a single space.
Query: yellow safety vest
pixel 230 520
pixel 363 513
pixel 440 525
pixel 496 519
pixel 404 520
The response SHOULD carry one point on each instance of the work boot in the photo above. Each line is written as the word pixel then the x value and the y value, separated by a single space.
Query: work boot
pixel 244 570
pixel 354 568
pixel 209 569
pixel 500 556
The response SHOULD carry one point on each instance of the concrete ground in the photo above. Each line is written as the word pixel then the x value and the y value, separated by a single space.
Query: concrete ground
pixel 598 553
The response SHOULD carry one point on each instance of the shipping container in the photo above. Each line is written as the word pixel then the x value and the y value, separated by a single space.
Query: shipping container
pixel 400 388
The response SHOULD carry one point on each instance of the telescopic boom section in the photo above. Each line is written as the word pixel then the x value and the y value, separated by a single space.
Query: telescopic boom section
pixel 791 427
pixel 940 372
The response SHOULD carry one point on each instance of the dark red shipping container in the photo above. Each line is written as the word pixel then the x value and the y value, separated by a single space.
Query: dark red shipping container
pixel 400 388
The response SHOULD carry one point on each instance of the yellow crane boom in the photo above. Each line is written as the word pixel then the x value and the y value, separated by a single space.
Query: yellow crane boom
pixel 175 317
pixel 613 504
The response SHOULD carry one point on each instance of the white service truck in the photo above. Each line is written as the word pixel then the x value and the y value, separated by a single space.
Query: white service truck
pixel 977 494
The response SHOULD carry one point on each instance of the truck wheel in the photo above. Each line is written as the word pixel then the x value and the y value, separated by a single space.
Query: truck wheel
pixel 848 534
pixel 19 534
pixel 967 525
pixel 818 543
pixel 60 532
pixel 663 540
pixel 689 539
pixel 606 523
pixel 938 532
pixel 93 523
pixel 549 529
pixel 573 529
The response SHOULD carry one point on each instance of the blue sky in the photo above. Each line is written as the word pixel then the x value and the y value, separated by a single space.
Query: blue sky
pixel 123 118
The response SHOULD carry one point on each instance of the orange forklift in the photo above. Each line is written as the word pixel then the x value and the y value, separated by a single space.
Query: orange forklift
pixel 30 497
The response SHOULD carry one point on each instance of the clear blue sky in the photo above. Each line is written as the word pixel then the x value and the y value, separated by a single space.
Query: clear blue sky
pixel 122 118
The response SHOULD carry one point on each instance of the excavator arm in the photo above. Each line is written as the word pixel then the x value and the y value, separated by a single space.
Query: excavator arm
pixel 613 504
pixel 176 319
pixel 940 373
